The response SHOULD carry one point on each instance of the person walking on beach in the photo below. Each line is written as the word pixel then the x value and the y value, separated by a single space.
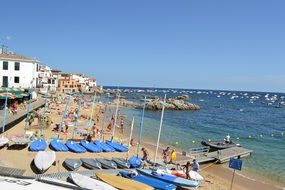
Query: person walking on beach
pixel 110 125
pixel 145 154
pixel 145 157
pixel 195 165
pixel 187 169
pixel 165 155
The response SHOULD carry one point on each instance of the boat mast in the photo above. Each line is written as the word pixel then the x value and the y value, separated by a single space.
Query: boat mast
pixel 92 111
pixel 161 120
pixel 5 112
pixel 28 110
pixel 130 137
pixel 63 116
pixel 78 111
pixel 103 122
pixel 42 118
pixel 116 114
pixel 141 126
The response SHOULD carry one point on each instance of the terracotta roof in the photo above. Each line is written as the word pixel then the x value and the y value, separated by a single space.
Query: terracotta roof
pixel 16 57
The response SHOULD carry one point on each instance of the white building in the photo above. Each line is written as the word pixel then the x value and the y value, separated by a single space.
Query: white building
pixel 48 81
pixel 17 70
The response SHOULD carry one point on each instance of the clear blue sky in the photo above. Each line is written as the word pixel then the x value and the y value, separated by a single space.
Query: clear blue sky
pixel 210 44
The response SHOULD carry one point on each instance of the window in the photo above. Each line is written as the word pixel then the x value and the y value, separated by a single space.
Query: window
pixel 49 81
pixel 16 79
pixel 17 66
pixel 5 65
pixel 5 81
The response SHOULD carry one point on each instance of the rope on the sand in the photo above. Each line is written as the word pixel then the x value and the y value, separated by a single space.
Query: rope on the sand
pixel 210 165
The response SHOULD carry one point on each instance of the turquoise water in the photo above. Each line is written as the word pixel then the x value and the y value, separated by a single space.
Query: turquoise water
pixel 257 126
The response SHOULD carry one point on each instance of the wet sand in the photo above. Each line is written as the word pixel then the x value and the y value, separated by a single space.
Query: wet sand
pixel 217 177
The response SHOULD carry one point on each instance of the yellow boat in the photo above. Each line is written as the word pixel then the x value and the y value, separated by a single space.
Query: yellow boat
pixel 122 183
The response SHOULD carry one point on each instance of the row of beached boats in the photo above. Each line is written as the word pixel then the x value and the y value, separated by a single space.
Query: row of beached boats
pixel 139 179
pixel 128 179
pixel 70 145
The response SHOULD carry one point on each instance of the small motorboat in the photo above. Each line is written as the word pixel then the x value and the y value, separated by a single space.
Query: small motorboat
pixel 72 164
pixel 122 163
pixel 91 163
pixel 107 164
pixel 219 145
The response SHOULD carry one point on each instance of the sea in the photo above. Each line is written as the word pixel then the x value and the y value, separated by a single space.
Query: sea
pixel 255 120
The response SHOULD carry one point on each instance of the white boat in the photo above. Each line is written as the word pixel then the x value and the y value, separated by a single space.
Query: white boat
pixel 31 184
pixel 90 183
pixel 3 141
pixel 44 159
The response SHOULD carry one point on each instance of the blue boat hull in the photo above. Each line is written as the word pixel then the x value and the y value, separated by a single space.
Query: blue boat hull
pixel 157 184
pixel 117 147
pixel 58 146
pixel 169 178
pixel 90 146
pixel 75 147
pixel 104 146
pixel 135 162
pixel 38 145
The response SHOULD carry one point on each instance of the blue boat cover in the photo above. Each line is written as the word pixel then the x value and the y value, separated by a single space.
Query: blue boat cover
pixel 135 162
pixel 118 147
pixel 90 146
pixel 157 184
pixel 75 147
pixel 169 178
pixel 104 146
pixel 38 145
pixel 57 145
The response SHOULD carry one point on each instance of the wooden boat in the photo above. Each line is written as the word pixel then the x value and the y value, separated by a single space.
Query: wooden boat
pixel 90 183
pixel 72 164
pixel 91 163
pixel 107 164
pixel 122 183
pixel 218 145
pixel 44 160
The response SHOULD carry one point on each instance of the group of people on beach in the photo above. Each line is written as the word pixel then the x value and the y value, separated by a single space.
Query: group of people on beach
pixel 169 157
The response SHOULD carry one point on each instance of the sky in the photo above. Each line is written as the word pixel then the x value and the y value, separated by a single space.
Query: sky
pixel 202 44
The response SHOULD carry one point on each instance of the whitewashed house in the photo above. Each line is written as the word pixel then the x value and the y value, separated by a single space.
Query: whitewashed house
pixel 48 81
pixel 17 71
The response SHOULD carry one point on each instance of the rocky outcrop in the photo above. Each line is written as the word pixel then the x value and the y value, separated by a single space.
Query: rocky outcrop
pixel 177 103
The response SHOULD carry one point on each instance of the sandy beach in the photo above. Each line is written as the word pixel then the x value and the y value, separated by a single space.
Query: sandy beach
pixel 217 177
